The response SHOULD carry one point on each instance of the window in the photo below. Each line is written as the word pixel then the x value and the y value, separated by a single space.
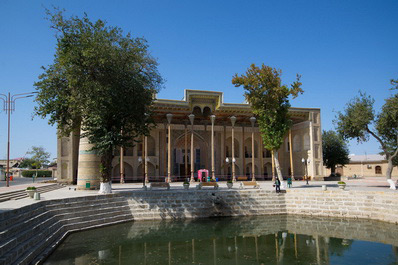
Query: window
pixel 378 170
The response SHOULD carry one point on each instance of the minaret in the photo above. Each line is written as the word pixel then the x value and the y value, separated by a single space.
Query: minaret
pixel 88 176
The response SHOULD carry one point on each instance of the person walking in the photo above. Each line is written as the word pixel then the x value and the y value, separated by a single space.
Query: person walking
pixel 277 185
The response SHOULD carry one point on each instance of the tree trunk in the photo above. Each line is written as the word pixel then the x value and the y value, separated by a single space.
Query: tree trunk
pixel 106 169
pixel 389 172
pixel 332 170
pixel 278 170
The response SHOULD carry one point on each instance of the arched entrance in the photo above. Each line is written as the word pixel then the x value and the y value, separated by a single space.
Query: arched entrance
pixel 201 154
pixel 128 173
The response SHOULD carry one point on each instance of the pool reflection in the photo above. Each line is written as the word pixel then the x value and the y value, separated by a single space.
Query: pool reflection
pixel 247 240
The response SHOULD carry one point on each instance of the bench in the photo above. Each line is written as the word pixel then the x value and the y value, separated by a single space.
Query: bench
pixel 241 178
pixel 159 185
pixel 253 184
pixel 207 184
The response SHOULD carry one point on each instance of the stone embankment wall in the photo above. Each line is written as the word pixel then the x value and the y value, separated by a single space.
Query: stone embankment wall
pixel 336 203
pixel 28 234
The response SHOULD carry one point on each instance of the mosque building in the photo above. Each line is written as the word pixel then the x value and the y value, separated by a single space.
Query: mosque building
pixel 201 131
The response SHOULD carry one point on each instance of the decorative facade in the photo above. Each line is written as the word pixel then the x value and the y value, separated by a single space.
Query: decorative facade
pixel 201 131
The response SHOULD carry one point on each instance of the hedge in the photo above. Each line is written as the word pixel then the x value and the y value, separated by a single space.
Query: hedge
pixel 40 173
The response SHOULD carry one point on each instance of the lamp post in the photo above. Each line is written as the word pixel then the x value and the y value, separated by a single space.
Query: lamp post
pixel 230 161
pixel 191 119
pixel 9 107
pixel 306 162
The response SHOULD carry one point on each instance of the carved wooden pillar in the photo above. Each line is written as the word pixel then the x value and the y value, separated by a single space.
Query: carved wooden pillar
pixel 169 117
pixel 291 154
pixel 253 120
pixel 191 119
pixel 212 118
pixel 233 120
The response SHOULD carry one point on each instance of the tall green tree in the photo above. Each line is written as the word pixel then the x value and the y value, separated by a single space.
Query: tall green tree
pixel 39 157
pixel 101 82
pixel 359 121
pixel 269 100
pixel 335 150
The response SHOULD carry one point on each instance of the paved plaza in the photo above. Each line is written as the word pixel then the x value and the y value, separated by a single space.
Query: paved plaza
pixel 366 184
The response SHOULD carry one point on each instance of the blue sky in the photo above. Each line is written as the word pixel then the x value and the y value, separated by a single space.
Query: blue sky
pixel 339 48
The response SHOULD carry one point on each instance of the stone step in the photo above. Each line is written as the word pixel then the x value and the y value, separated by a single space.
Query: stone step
pixel 19 215
pixel 73 202
pixel 86 206
pixel 40 254
pixel 33 225
pixel 11 253
pixel 20 194
pixel 26 224
pixel 43 230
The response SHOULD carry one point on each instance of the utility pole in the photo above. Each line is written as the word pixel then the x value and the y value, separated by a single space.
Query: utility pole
pixel 9 107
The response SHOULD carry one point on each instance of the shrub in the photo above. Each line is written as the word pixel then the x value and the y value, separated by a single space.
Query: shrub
pixel 186 182
pixel 40 173
pixel 31 188
pixel 341 182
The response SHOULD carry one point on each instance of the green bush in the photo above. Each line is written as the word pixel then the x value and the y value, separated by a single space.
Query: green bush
pixel 40 173
pixel 31 188
pixel 341 183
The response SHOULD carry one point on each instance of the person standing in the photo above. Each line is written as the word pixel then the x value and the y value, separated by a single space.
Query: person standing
pixel 289 182
pixel 277 185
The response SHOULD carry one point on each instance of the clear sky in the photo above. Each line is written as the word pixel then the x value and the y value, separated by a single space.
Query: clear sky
pixel 339 48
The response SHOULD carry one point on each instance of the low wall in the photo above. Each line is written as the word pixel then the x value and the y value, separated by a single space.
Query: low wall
pixel 335 203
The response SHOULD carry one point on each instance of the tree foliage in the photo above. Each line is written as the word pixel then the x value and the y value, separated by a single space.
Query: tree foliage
pixel 27 163
pixel 269 100
pixel 335 150
pixel 39 157
pixel 101 81
pixel 359 121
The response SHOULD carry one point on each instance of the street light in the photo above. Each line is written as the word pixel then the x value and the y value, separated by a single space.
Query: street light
pixel 233 161
pixel 306 162
pixel 9 107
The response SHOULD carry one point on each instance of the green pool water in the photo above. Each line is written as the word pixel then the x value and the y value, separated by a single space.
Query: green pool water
pixel 254 240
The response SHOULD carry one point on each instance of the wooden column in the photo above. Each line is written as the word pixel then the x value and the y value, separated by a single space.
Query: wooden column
pixel 121 165
pixel 212 118
pixel 253 120
pixel 233 120
pixel 273 165
pixel 146 159
pixel 191 119
pixel 169 117
pixel 186 151
pixel 261 154
pixel 243 152
pixel 165 151
pixel 291 154
pixel 224 152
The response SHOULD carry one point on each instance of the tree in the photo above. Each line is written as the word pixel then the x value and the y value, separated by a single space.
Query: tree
pixel 27 163
pixel 39 157
pixel 269 100
pixel 359 121
pixel 101 82
pixel 335 150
